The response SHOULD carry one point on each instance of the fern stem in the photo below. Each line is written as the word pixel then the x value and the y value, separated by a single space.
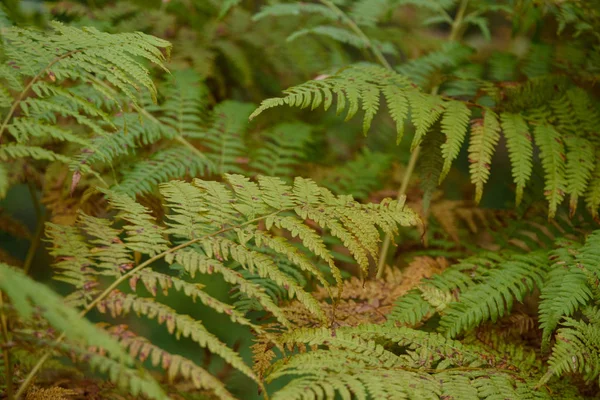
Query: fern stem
pixel 454 35
pixel 39 229
pixel 122 279
pixel 6 351
pixel 356 29
pixel 401 192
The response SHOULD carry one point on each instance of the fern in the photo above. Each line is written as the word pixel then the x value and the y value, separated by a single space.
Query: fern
pixel 29 298
pixel 518 141
pixel 215 227
pixel 424 368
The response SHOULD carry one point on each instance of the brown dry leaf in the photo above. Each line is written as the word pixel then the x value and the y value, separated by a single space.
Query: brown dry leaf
pixel 369 301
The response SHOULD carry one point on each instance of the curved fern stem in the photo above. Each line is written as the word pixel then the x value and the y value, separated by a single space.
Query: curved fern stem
pixel 122 279
pixel 356 29
pixel 454 35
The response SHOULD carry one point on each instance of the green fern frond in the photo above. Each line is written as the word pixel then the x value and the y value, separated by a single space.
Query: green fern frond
pixel 225 138
pixel 484 138
pixel 25 294
pixel 354 86
pixel 360 176
pixel 218 228
pixel 455 123
pixel 494 297
pixel 163 165
pixel 430 165
pixel 421 70
pixel 565 289
pixel 576 351
pixel 355 364
pixel 519 143
pixel 580 164
pixel 175 365
pixel 552 154
pixel 284 148
pixel 180 325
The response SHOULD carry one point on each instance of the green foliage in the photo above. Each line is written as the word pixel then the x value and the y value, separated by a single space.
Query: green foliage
pixel 189 228
pixel 216 229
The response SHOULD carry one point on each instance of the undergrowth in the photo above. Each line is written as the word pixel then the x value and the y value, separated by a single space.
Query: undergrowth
pixel 210 237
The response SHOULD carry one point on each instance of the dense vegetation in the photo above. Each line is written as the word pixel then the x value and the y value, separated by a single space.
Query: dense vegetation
pixel 184 215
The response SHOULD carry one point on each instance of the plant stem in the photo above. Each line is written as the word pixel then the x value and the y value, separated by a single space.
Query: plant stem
pixel 356 29
pixel 122 279
pixel 39 229
pixel 454 35
pixel 6 351
pixel 401 192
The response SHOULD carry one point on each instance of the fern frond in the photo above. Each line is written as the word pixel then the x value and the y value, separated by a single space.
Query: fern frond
pixel 172 162
pixel 284 147
pixel 519 143
pixel 360 176
pixel 354 364
pixel 565 289
pixel 420 70
pixel 225 137
pixel 175 365
pixel 455 123
pixel 25 294
pixel 484 138
pixel 494 297
pixel 576 351
pixel 552 154
pixel 580 164
pixel 119 304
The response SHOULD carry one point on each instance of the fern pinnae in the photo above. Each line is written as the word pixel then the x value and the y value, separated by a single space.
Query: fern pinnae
pixel 454 123
pixel 175 365
pixel 552 154
pixel 565 290
pixel 520 148
pixel 484 138
pixel 579 167
pixel 513 278
pixel 119 304
pixel 592 197
pixel 152 280
pixel 194 262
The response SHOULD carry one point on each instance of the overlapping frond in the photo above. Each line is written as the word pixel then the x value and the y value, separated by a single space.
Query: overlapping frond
pixel 217 228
